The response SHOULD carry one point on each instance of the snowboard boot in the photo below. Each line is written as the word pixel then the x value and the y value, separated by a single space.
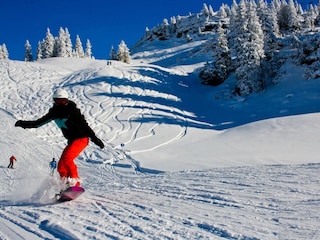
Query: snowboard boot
pixel 73 182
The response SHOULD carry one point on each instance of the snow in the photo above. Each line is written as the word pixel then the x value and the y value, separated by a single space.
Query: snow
pixel 182 160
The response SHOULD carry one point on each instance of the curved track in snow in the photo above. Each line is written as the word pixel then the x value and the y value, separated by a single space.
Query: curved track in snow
pixel 124 200
pixel 123 203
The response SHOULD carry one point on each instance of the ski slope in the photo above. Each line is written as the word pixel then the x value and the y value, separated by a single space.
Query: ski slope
pixel 182 160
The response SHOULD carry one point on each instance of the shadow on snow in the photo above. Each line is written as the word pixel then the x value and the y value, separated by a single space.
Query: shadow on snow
pixel 196 105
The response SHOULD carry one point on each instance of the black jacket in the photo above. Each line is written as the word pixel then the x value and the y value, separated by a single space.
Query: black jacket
pixel 69 119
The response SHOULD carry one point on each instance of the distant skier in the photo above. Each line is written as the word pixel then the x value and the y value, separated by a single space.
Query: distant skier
pixel 74 128
pixel 12 159
pixel 53 165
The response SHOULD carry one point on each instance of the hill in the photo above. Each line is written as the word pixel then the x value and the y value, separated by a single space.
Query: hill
pixel 182 160
pixel 196 162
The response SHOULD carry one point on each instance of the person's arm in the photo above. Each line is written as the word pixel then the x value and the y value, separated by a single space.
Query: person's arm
pixel 91 133
pixel 96 140
pixel 36 123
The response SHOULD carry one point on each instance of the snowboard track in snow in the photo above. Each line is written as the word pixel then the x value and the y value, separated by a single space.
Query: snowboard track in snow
pixel 124 200
pixel 274 199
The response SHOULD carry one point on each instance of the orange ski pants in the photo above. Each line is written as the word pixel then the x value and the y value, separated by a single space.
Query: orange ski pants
pixel 66 165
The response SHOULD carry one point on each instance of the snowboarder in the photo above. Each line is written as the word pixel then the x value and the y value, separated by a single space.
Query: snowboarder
pixel 12 159
pixel 74 128
pixel 53 165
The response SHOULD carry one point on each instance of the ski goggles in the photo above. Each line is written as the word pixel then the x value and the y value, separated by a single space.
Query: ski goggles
pixel 60 101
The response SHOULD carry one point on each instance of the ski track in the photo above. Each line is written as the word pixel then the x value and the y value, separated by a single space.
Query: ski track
pixel 135 204
pixel 111 109
pixel 279 202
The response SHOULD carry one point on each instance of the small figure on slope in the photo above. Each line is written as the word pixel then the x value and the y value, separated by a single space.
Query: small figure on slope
pixel 12 159
pixel 74 128
pixel 53 165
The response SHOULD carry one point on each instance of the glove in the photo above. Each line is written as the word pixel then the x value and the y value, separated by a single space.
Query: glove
pixel 20 123
pixel 98 142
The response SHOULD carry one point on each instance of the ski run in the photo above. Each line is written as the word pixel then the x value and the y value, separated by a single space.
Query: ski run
pixel 182 160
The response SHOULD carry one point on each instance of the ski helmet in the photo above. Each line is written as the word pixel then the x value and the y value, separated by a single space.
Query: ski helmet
pixel 60 93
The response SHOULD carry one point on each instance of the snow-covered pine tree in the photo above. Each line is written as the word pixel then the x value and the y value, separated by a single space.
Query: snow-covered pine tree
pixel 56 47
pixel 5 51
pixel 317 14
pixel 113 54
pixel 205 9
pixel 310 18
pixel 48 45
pixel 222 53
pixel 217 72
pixel 88 53
pixel 237 31
pixel 123 54
pixel 68 43
pixel 276 4
pixel 63 43
pixel 60 43
pixel 163 33
pixel 79 53
pixel 39 50
pixel 250 53
pixel 222 13
pixel 294 22
pixel 287 17
pixel 211 11
pixel 4 54
pixel 173 20
pixel 28 57
pixel 269 23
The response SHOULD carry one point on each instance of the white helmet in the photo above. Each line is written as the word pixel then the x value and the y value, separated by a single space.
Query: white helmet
pixel 60 93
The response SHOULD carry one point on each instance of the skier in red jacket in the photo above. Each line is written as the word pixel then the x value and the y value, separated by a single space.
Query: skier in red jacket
pixel 74 128
pixel 12 159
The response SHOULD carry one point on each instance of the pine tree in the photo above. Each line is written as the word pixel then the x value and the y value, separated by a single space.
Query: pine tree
pixel 205 10
pixel 79 53
pixel 60 44
pixel 309 18
pixel 250 54
pixel 294 23
pixel 48 45
pixel 63 43
pixel 211 11
pixel 68 43
pixel 56 47
pixel 113 54
pixel 28 57
pixel 4 54
pixel 222 52
pixel 217 72
pixel 222 11
pixel 269 23
pixel 123 54
pixel 88 53
pixel 1 53
pixel 39 50
pixel 237 30
pixel 288 17
pixel 164 30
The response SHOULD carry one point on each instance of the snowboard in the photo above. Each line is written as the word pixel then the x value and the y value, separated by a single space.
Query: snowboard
pixel 70 193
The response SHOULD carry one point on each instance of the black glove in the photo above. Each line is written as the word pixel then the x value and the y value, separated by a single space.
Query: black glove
pixel 97 141
pixel 20 123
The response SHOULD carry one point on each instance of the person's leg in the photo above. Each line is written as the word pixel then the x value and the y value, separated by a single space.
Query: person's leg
pixel 66 165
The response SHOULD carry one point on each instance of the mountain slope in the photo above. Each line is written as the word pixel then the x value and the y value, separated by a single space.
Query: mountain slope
pixel 182 160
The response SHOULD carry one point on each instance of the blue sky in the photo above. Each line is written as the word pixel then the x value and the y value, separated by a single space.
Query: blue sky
pixel 104 23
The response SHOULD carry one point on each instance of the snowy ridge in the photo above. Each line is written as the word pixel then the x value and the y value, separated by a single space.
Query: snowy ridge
pixel 182 160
